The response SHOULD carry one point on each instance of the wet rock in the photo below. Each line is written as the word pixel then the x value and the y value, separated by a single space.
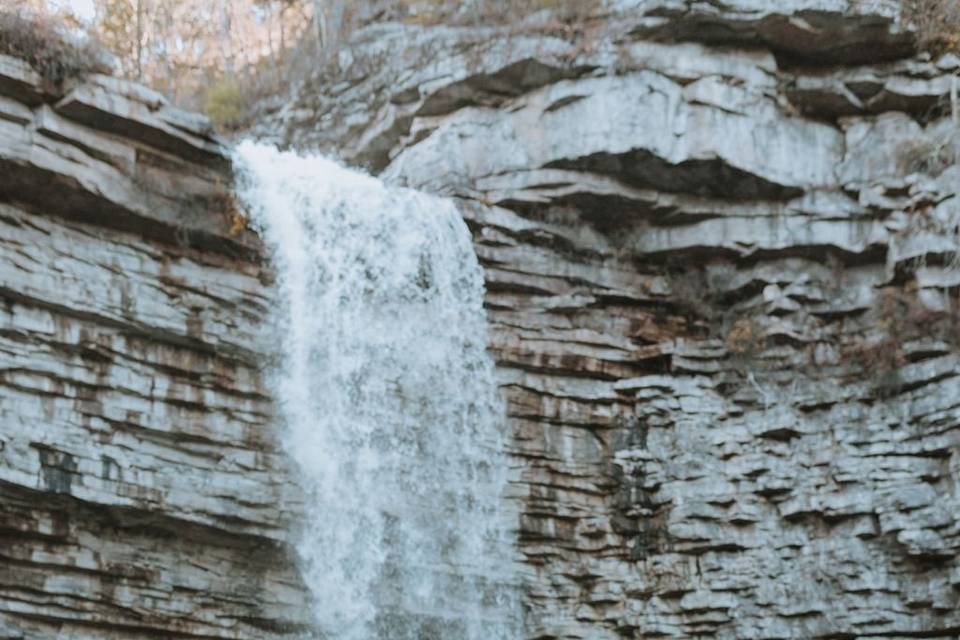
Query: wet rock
pixel 720 248
pixel 142 490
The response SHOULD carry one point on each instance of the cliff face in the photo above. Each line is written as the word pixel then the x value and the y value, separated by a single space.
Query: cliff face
pixel 720 243
pixel 141 492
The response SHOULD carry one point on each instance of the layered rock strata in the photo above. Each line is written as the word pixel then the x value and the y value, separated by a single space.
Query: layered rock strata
pixel 720 243
pixel 141 490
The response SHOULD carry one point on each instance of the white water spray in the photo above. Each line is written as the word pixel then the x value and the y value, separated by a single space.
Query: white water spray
pixel 389 401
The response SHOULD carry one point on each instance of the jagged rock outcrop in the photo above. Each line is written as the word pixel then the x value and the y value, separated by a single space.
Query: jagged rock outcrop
pixel 142 494
pixel 720 243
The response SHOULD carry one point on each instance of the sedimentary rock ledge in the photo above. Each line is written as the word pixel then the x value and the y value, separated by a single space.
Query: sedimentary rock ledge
pixel 142 493
pixel 720 248
pixel 721 256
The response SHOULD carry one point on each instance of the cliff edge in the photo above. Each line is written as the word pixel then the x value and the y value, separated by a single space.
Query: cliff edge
pixel 141 491
pixel 720 243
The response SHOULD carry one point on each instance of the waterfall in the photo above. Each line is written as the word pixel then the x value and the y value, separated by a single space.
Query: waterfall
pixel 389 403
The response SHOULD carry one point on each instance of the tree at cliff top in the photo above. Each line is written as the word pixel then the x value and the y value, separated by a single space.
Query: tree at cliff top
pixel 225 56
pixel 48 44
pixel 182 47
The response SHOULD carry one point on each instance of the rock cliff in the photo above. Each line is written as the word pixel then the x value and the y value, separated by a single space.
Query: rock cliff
pixel 141 492
pixel 720 243
pixel 721 252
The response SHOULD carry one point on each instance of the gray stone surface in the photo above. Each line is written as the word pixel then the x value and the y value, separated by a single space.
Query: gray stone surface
pixel 154 171
pixel 721 251
pixel 142 494
pixel 720 243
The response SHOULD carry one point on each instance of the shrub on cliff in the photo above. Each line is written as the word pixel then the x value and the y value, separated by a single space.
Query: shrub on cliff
pixel 937 23
pixel 491 12
pixel 226 103
pixel 49 48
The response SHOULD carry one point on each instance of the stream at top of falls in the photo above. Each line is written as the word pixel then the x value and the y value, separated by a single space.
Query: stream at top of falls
pixel 389 403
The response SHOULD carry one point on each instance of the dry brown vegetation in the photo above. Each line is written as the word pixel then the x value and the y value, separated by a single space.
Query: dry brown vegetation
pixel 46 45
pixel 494 12
pixel 937 23
pixel 928 156
pixel 231 99
pixel 226 58
pixel 900 318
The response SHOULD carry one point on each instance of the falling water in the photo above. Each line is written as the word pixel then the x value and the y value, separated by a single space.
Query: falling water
pixel 389 402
